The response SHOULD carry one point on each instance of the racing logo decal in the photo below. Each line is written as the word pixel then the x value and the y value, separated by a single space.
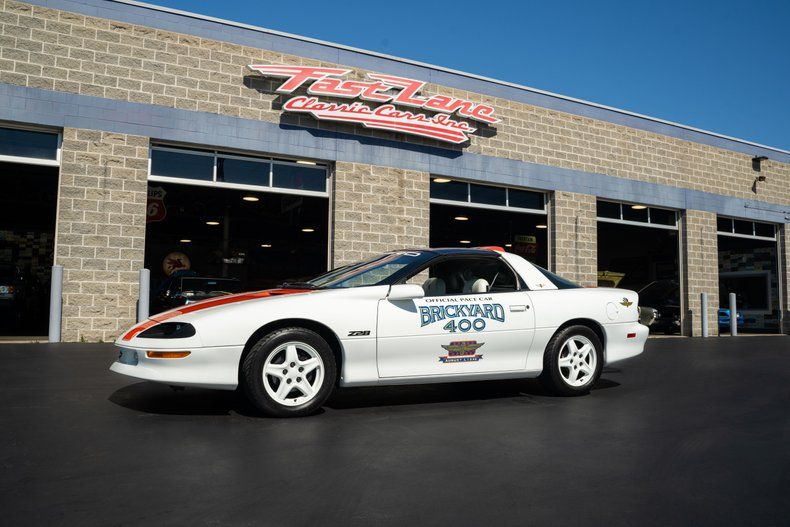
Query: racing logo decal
pixel 461 351
pixel 462 317
pixel 625 302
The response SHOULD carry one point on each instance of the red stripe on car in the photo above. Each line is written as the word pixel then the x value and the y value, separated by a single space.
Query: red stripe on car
pixel 206 304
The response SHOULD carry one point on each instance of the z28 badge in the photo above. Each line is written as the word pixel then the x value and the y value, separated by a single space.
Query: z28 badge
pixel 461 351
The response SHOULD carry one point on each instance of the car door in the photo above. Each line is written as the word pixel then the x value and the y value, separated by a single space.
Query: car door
pixel 475 318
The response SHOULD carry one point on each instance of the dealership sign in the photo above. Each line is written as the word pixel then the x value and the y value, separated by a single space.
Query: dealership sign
pixel 389 92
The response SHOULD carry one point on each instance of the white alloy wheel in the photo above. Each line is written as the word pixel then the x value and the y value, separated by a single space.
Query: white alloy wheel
pixel 293 373
pixel 577 361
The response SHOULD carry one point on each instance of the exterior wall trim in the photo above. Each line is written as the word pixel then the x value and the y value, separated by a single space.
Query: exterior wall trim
pixel 59 109
pixel 244 34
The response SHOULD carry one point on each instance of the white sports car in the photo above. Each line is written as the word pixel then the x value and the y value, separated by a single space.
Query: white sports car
pixel 404 317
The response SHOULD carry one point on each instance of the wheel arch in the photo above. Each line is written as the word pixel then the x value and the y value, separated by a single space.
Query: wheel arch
pixel 323 330
pixel 596 327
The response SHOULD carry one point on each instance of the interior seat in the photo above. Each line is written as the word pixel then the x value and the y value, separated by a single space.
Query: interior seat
pixel 480 286
pixel 434 287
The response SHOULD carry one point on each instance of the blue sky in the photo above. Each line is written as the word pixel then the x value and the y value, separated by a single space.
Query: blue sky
pixel 721 65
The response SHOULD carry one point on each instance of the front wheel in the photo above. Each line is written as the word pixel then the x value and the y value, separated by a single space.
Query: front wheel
pixel 289 373
pixel 573 361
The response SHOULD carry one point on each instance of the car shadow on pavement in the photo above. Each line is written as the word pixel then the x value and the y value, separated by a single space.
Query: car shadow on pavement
pixel 153 398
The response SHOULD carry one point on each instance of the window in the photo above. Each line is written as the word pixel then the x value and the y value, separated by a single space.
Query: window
pixel 235 170
pixel 745 228
pixel 615 212
pixel 243 171
pixel 29 144
pixel 444 189
pixel 380 270
pixel 558 281
pixel 296 176
pixel 186 164
pixel 466 276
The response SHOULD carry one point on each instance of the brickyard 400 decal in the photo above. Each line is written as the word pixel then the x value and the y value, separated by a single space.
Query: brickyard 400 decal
pixel 462 317
pixel 389 91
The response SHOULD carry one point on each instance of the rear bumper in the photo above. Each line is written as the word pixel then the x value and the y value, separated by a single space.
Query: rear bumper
pixel 618 344
pixel 216 368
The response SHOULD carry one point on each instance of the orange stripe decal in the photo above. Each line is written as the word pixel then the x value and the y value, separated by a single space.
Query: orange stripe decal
pixel 206 304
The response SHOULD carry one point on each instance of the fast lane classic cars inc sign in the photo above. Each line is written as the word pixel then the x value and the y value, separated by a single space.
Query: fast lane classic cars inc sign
pixel 388 91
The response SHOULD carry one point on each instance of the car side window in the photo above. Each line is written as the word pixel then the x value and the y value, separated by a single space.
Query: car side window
pixel 467 276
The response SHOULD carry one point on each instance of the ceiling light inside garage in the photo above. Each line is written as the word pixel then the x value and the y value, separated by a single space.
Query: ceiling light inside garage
pixel 441 180
pixel 266 245
pixel 185 241
pixel 461 218
pixel 464 241
pixel 308 229
pixel 212 223
pixel 304 162
pixel 541 226
pixel 639 207
pixel 251 198
pixel 508 245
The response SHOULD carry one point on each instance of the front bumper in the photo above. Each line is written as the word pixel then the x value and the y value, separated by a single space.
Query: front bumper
pixel 216 367
pixel 619 346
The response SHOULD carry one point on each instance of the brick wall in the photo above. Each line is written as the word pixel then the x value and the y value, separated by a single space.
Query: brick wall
pixel 699 251
pixel 100 234
pixel 378 209
pixel 63 51
pixel 574 237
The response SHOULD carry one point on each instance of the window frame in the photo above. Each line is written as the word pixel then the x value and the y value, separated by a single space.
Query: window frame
pixel 647 223
pixel 34 160
pixel 752 236
pixel 242 157
pixel 506 207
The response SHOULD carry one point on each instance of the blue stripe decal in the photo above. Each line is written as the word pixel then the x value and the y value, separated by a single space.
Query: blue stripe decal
pixel 60 109
pixel 181 23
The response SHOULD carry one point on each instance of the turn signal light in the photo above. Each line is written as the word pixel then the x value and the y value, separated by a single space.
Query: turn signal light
pixel 166 354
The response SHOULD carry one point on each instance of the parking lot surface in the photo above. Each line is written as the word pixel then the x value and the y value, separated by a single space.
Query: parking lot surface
pixel 692 432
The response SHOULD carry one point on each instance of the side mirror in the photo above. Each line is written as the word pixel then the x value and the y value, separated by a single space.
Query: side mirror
pixel 405 292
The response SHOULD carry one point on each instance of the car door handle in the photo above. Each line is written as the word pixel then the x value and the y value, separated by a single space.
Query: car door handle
pixel 518 308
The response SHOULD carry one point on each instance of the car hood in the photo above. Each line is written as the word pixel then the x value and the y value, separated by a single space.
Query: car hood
pixel 208 304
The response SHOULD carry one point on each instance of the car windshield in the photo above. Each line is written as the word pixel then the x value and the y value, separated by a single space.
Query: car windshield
pixel 382 269
pixel 209 285
pixel 560 282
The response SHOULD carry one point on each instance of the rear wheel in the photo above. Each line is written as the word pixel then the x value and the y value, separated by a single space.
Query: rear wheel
pixel 573 361
pixel 289 372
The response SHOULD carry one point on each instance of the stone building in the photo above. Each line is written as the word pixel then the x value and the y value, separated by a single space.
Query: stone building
pixel 136 136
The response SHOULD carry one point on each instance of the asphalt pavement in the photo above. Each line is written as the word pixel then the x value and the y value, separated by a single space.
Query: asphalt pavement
pixel 692 432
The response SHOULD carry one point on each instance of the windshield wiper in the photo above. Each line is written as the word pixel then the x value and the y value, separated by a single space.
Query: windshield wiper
pixel 299 285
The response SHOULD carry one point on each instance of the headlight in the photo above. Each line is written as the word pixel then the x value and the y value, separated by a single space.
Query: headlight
pixel 169 330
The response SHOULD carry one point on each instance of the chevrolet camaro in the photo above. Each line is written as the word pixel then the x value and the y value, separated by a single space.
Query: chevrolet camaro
pixel 403 317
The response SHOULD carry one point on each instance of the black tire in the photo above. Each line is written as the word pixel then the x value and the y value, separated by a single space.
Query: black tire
pixel 552 376
pixel 252 378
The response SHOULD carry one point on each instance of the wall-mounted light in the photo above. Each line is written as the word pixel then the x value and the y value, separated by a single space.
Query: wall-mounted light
pixel 757 164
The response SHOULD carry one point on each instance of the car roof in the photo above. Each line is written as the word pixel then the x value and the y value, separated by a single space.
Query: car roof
pixel 479 251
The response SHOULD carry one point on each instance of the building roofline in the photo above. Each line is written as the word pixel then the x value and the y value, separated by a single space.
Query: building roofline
pixel 451 71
